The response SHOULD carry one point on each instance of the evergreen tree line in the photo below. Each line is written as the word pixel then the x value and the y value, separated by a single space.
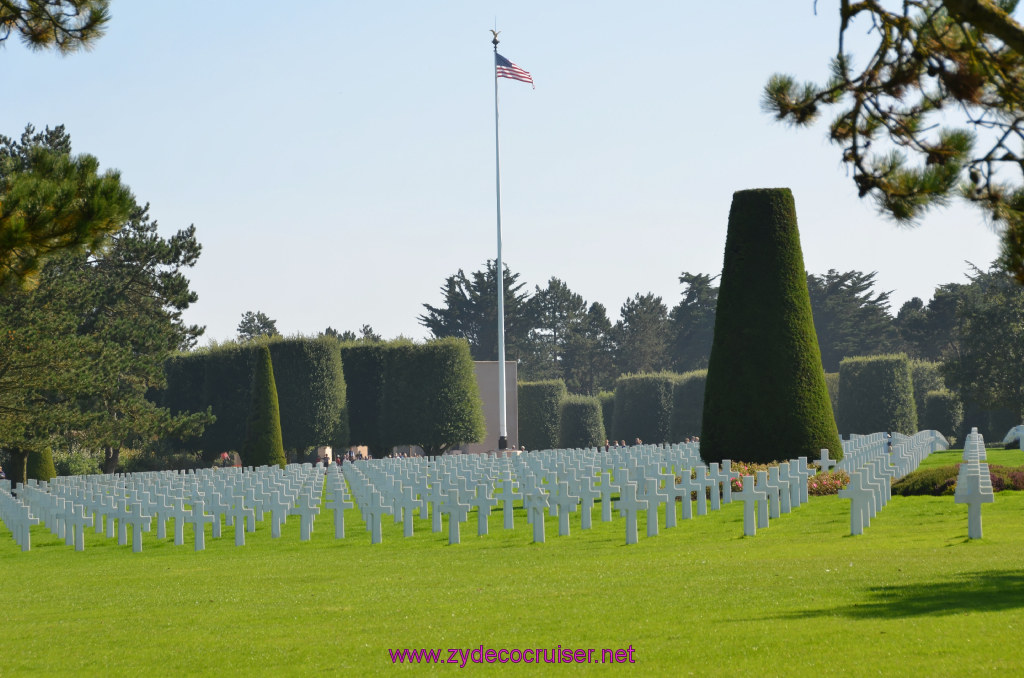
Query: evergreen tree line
pixel 973 331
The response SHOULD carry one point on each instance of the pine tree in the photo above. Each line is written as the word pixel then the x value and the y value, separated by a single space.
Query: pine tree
pixel 765 397
pixel 263 445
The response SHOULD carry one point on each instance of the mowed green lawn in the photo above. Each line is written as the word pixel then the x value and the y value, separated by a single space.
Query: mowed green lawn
pixel 910 596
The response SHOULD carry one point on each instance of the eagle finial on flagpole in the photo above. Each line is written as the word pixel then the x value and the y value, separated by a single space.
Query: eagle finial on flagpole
pixel 495 40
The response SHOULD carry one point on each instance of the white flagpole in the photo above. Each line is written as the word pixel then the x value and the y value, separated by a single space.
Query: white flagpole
pixel 499 271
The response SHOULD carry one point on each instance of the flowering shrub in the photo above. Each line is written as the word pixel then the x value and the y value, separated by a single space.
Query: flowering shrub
pixel 827 483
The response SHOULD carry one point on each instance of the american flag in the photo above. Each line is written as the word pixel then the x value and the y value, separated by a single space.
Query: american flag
pixel 503 68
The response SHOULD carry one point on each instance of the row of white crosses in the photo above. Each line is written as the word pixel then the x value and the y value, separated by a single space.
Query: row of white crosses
pixel 563 482
pixel 873 465
pixel 974 484
pixel 238 497
pixel 769 494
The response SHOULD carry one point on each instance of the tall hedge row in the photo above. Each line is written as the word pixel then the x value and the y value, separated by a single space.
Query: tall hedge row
pixel 311 393
pixel 926 377
pixel 942 412
pixel 539 413
pixel 832 384
pixel 687 405
pixel 607 400
pixel 764 372
pixel 363 364
pixel 643 407
pixel 263 442
pixel 430 396
pixel 309 381
pixel 876 393
pixel 581 423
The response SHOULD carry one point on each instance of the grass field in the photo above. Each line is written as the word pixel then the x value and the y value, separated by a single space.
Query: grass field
pixel 912 596
pixel 951 457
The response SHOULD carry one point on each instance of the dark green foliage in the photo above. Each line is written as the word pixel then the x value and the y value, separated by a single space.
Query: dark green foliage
pixel 539 409
pixel 227 389
pixel 692 322
pixel 607 399
pixel 641 337
pixel 935 481
pixel 471 311
pixel 53 202
pixel 581 423
pixel 643 407
pixel 430 396
pixel 363 364
pixel 832 383
pixel 256 324
pixel 876 394
pixel 942 412
pixel 311 393
pixel 688 405
pixel 991 423
pixel 926 377
pixel 849 319
pixel 941 480
pixel 764 373
pixel 65 26
pixel 40 465
pixel 263 445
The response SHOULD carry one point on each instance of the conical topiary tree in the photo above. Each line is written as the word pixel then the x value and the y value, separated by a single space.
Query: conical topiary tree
pixel 765 397
pixel 263 444
pixel 40 465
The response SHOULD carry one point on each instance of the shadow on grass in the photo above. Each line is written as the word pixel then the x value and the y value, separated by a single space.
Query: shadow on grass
pixel 989 591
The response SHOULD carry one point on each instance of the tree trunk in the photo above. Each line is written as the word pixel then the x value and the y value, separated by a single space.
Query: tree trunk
pixel 19 472
pixel 111 457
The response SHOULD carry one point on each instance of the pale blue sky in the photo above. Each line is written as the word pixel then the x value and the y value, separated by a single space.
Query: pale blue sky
pixel 337 158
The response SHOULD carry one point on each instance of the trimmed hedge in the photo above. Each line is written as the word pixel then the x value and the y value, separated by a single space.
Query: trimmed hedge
pixel 580 422
pixel 687 405
pixel 363 365
pixel 607 399
pixel 40 465
pixel 765 377
pixel 876 394
pixel 926 377
pixel 942 412
pixel 310 383
pixel 941 480
pixel 539 413
pixel 832 383
pixel 263 443
pixel 310 392
pixel 430 396
pixel 643 407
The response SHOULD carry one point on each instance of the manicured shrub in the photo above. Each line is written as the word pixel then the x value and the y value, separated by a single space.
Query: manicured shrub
pixel 926 377
pixel 363 366
pixel 829 482
pixel 430 396
pixel 687 405
pixel 832 383
pixel 764 374
pixel 311 392
pixel 607 399
pixel 539 413
pixel 942 412
pixel 227 390
pixel 876 394
pixel 263 444
pixel 580 422
pixel 643 407
pixel 40 465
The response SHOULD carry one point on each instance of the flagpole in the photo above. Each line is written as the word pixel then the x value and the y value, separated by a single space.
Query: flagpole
pixel 499 271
